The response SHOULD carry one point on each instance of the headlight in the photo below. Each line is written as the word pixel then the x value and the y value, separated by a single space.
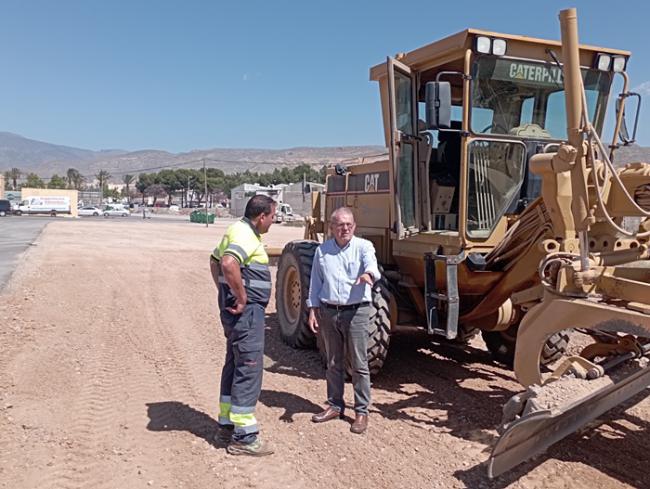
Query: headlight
pixel 487 45
pixel 499 47
pixel 483 44
pixel 603 62
pixel 618 64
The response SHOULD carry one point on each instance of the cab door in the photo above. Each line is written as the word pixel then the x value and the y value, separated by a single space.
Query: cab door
pixel 402 97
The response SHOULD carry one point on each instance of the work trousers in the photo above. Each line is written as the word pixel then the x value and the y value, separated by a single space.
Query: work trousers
pixel 241 377
pixel 345 334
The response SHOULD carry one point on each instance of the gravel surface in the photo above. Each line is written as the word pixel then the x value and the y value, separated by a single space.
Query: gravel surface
pixel 110 351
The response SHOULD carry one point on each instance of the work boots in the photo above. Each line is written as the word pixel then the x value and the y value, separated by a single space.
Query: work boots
pixel 255 449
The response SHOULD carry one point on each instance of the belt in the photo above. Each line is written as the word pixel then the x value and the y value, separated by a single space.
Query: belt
pixel 345 307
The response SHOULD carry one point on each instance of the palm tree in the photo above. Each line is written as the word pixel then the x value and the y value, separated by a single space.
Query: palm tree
pixel 73 176
pixel 78 181
pixel 128 179
pixel 102 177
pixel 13 175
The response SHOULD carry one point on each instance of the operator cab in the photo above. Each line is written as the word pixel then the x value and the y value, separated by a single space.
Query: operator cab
pixel 462 118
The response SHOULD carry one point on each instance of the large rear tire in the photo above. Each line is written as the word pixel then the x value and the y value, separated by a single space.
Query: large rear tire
pixel 378 331
pixel 501 345
pixel 379 327
pixel 291 292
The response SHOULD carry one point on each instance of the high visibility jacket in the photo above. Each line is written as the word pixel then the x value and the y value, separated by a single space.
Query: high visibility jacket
pixel 244 243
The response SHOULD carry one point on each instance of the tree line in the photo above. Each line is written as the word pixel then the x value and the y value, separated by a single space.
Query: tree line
pixel 190 183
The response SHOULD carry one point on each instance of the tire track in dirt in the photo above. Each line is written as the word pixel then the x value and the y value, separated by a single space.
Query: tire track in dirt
pixel 99 410
pixel 187 361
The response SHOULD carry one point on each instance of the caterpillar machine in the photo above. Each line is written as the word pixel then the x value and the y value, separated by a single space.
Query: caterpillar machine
pixel 499 209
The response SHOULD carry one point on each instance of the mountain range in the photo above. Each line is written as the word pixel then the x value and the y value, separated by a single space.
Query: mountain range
pixel 46 159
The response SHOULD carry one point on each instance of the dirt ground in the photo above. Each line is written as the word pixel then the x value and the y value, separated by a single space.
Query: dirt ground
pixel 110 352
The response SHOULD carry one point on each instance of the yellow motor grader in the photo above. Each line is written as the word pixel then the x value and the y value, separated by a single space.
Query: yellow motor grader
pixel 499 210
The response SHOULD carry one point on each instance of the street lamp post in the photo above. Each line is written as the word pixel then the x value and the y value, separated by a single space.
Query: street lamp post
pixel 205 182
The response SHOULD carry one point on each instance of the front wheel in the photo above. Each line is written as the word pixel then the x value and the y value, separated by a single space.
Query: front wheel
pixel 501 345
pixel 3 213
pixel 53 213
pixel 379 327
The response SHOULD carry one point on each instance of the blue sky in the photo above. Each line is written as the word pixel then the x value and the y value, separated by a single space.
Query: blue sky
pixel 183 75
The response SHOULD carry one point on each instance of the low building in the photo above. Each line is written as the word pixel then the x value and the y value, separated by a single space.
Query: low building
pixel 240 195
pixel 297 195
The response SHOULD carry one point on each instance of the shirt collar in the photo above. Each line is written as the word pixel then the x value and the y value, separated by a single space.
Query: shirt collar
pixel 248 221
pixel 345 247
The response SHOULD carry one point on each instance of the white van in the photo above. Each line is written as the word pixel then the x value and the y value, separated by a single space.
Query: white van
pixel 46 204
pixel 284 213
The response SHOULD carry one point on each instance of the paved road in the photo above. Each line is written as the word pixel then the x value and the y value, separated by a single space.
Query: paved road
pixel 16 234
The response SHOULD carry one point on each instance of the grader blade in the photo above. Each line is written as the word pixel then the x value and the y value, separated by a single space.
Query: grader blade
pixel 553 411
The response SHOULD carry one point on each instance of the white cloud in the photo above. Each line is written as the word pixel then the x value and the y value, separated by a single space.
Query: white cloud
pixel 245 77
pixel 643 89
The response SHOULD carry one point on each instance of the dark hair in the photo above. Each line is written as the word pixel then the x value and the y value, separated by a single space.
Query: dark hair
pixel 259 204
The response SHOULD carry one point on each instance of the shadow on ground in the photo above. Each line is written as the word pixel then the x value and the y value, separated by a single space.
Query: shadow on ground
pixel 460 390
pixel 286 360
pixel 176 416
pixel 291 403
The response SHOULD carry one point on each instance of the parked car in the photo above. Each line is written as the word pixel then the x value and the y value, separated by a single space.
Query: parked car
pixel 5 207
pixel 116 211
pixel 89 211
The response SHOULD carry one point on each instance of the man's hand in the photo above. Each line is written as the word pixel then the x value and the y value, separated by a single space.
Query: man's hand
pixel 239 307
pixel 365 278
pixel 313 321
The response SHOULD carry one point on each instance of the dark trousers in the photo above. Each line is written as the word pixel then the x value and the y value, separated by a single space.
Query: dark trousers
pixel 345 333
pixel 241 377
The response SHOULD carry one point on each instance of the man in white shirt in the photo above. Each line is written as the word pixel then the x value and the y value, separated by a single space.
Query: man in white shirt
pixel 343 272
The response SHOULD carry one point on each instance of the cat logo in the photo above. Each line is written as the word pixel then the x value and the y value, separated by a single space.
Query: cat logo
pixel 372 179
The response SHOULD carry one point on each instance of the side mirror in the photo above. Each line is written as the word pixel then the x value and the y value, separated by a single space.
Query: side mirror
pixel 437 98
pixel 624 134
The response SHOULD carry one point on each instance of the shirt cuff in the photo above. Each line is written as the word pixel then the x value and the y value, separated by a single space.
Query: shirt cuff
pixel 374 274
pixel 311 304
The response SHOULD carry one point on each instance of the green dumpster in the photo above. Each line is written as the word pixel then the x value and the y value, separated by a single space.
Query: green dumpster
pixel 200 216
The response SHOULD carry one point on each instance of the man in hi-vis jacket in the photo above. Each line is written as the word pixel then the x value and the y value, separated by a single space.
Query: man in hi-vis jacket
pixel 240 269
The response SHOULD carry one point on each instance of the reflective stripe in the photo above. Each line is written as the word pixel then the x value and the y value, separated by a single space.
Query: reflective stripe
pixel 246 423
pixel 260 267
pixel 254 284
pixel 242 409
pixel 237 249
pixel 259 284
pixel 225 399
pixel 224 409
pixel 224 421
